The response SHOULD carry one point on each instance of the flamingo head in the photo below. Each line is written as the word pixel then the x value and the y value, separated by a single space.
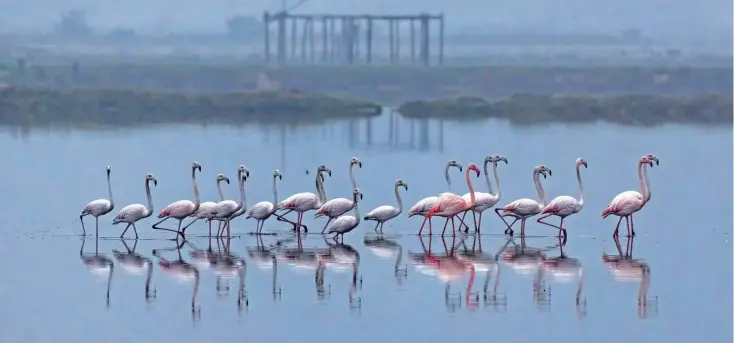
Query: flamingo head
pixel 356 161
pixel 221 178
pixel 196 166
pixel 109 169
pixel 543 170
pixel 400 182
pixel 453 163
pixel 150 177
pixel 645 159
pixel 498 158
pixel 474 168
pixel 580 161
pixel 356 194
pixel 276 174
pixel 323 169
pixel 244 172
pixel 652 157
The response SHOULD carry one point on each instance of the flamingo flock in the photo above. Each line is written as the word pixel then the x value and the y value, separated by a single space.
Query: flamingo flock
pixel 448 205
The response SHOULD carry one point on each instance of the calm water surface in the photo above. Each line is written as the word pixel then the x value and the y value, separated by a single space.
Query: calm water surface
pixel 394 287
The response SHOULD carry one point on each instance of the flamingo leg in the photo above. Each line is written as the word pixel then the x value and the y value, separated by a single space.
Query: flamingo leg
pixel 96 226
pixel 522 228
pixel 444 226
pixel 183 230
pixel 480 219
pixel 283 219
pixel 453 226
pixel 81 219
pixel 632 225
pixel 300 218
pixel 616 229
pixel 427 217
pixel 627 219
pixel 461 225
pixel 509 226
pixel 327 224
pixel 156 227
pixel 560 228
pixel 381 225
pixel 476 227
pixel 376 225
pixel 123 231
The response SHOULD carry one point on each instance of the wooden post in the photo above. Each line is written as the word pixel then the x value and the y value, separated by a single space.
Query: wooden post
pixel 440 40
pixel 266 32
pixel 369 40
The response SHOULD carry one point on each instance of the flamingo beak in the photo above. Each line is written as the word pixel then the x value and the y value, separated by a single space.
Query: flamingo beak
pixel 361 196
pixel 155 182
pixel 199 167
pixel 503 159
pixel 359 163
pixel 550 173
pixel 460 167
pixel 657 162
pixel 328 171
pixel 477 171
pixel 405 185
pixel 280 177
pixel 585 165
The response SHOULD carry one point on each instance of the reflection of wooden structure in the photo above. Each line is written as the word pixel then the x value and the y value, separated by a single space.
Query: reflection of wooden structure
pixel 341 37
pixel 420 133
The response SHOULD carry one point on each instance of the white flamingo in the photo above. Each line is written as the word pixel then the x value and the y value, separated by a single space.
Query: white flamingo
pixel 336 207
pixel 264 209
pixel 132 213
pixel 98 207
pixel 485 200
pixel 206 207
pixel 627 203
pixel 182 208
pixel 384 213
pixel 525 208
pixel 306 201
pixel 564 205
pixel 225 209
pixel 422 207
pixel 345 224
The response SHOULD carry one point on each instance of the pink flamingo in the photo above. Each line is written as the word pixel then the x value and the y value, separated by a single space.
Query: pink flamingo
pixel 564 205
pixel 450 204
pixel 522 209
pixel 627 203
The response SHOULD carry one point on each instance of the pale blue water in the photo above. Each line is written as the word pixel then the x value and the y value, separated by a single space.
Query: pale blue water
pixel 684 237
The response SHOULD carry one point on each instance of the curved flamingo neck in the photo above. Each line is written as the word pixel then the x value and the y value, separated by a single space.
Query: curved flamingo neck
pixel 581 185
pixel 109 191
pixel 446 175
pixel 486 175
pixel 219 189
pixel 647 184
pixel 539 187
pixel 643 182
pixel 400 200
pixel 473 199
pixel 243 199
pixel 356 208
pixel 197 201
pixel 320 192
pixel 496 180
pixel 275 191
pixel 149 210
pixel 351 175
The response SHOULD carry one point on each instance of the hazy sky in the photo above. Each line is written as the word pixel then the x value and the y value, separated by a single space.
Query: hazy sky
pixel 686 19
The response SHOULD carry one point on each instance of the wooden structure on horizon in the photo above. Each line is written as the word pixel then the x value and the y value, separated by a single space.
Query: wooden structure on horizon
pixel 341 40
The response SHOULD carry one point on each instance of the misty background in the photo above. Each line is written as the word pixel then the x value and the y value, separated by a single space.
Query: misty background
pixel 683 22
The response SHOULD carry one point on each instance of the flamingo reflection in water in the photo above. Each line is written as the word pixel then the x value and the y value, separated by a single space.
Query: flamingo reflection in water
pixel 625 268
pixel 563 269
pixel 485 263
pixel 305 261
pixel 98 264
pixel 447 268
pixel 344 257
pixel 183 272
pixel 136 264
pixel 227 265
pixel 265 258
pixel 525 260
pixel 385 248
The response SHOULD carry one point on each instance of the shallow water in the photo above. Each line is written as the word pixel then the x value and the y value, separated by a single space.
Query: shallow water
pixel 680 260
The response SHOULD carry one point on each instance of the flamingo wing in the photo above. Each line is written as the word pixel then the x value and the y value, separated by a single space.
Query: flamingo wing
pixel 562 205
pixel 130 213
pixel 300 201
pixel 483 200
pixel 179 209
pixel 450 204
pixel 97 207
pixel 523 206
pixel 335 207
pixel 204 209
pixel 384 212
pixel 261 210
pixel 423 206
pixel 224 208
pixel 343 224
pixel 624 203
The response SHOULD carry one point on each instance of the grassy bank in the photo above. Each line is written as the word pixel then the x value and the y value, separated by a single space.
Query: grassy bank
pixel 389 85
pixel 712 109
pixel 49 106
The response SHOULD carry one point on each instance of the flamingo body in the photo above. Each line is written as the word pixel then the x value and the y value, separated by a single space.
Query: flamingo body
pixel 131 214
pixel 483 200
pixel 422 207
pixel 624 204
pixel 260 211
pixel 343 224
pixel 98 207
pixel 179 209
pixel 449 204
pixel 382 213
pixel 205 209
pixel 225 209
pixel 562 206
pixel 525 207
pixel 335 207
pixel 300 202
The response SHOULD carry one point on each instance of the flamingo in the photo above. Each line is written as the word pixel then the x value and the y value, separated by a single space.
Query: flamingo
pixel 525 208
pixel 387 249
pixel 225 209
pixel 564 205
pixel 422 207
pixel 98 264
pixel 627 203
pixel 485 200
pixel 98 207
pixel 625 268
pixel 264 209
pixel 132 213
pixel 206 207
pixel 450 204
pixel 336 207
pixel 182 208
pixel 136 264
pixel 302 202
pixel 265 258
pixel 345 224
pixel 384 213
pixel 565 269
